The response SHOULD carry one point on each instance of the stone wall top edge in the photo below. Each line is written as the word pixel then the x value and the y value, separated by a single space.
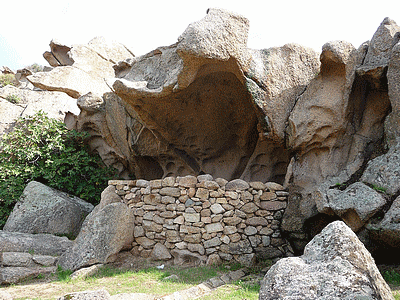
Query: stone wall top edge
pixel 183 182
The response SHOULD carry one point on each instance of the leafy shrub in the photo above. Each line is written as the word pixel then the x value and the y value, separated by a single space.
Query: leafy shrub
pixel 7 79
pixel 35 68
pixel 43 149
pixel 391 276
pixel 63 275
pixel 13 99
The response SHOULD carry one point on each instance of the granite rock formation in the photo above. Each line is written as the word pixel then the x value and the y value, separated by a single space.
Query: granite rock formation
pixel 329 269
pixel 210 105
pixel 42 209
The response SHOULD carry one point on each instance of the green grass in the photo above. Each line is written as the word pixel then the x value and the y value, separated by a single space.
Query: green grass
pixel 391 277
pixel 13 99
pixel 7 79
pixel 379 188
pixel 63 275
pixel 153 281
pixel 238 291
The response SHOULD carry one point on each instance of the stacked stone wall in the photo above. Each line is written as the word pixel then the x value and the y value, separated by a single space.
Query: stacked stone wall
pixel 205 219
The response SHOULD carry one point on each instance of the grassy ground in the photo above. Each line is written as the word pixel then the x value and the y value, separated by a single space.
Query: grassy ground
pixel 150 281
pixel 157 282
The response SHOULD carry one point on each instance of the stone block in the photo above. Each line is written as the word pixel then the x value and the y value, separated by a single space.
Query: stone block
pixel 232 221
pixel 152 199
pixel 191 217
pixel 193 238
pixel 230 230
pixel 267 196
pixel 217 208
pixel 202 193
pixel 196 248
pixel 272 186
pixel 257 221
pixel 167 200
pixel 250 230
pixel 156 184
pixel 257 185
pixel 273 205
pixel 141 183
pixel 187 181
pixel 168 182
pixel 170 191
pixel 212 242
pixel 214 227
pixel 249 208
pixel 236 184
pixel 160 252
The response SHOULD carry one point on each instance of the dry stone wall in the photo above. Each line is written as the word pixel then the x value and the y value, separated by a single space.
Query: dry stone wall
pixel 202 219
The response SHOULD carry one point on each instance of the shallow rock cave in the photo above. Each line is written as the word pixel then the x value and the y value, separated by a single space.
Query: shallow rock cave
pixel 208 128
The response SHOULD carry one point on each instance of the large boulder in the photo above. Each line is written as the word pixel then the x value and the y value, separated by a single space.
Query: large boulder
pixel 70 80
pixel 104 233
pixel 45 244
pixel 42 209
pixel 17 266
pixel 335 265
pixel 356 204
pixel 11 275
pixel 55 104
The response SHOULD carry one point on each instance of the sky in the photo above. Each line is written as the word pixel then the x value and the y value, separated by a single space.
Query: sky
pixel 29 26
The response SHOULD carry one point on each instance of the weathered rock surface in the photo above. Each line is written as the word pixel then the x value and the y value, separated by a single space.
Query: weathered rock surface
pixel 72 81
pixel 387 231
pixel 209 72
pixel 42 209
pixel 356 204
pixel 329 269
pixel 335 127
pixel 23 259
pixel 185 257
pixel 10 275
pixel 45 244
pixel 160 252
pixel 392 122
pixel 17 266
pixel 384 171
pixel 209 104
pixel 87 295
pixel 104 233
pixel 55 104
pixel 9 112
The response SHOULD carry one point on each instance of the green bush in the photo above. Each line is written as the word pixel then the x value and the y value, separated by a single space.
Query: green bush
pixel 13 99
pixel 43 149
pixel 391 276
pixel 35 68
pixel 7 79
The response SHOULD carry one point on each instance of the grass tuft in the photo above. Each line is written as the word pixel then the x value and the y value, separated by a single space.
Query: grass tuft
pixel 63 275
pixel 391 277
